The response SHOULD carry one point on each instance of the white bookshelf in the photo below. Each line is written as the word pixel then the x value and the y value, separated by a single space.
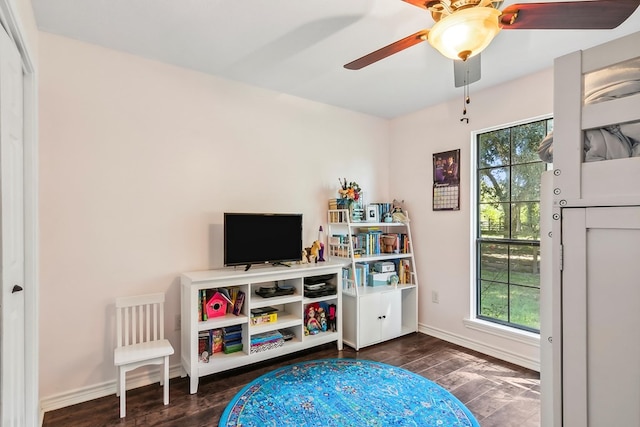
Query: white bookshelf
pixel 373 314
pixel 291 313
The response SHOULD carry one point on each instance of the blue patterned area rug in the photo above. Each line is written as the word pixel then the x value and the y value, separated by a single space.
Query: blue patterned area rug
pixel 344 393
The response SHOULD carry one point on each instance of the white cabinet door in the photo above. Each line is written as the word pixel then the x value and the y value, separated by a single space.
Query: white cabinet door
pixel 380 317
pixel 369 319
pixel 12 317
pixel 601 317
pixel 391 312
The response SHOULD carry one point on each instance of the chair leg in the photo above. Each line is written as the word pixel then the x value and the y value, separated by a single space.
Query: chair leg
pixel 165 368
pixel 117 381
pixel 123 399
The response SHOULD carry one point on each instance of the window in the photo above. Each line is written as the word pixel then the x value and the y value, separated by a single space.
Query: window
pixel 508 224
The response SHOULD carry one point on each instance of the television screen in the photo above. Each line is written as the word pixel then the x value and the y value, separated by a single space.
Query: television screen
pixel 259 238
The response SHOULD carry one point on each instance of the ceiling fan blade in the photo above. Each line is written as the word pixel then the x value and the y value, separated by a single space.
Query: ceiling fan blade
pixel 388 50
pixel 420 3
pixel 466 72
pixel 571 15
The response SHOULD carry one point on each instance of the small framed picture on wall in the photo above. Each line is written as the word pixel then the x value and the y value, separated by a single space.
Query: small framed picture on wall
pixel 372 213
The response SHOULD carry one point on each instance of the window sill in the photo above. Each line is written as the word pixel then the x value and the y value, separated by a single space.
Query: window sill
pixel 513 334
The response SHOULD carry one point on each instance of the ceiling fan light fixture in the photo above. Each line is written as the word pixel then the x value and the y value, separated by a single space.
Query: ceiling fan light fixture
pixel 465 33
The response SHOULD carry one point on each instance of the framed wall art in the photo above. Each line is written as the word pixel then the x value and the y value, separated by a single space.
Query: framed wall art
pixel 372 213
pixel 446 181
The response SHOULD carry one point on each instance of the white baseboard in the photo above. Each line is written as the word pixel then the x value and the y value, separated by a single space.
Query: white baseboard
pixel 85 394
pixel 498 353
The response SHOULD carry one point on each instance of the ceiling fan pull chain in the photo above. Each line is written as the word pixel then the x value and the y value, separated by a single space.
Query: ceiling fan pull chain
pixel 466 99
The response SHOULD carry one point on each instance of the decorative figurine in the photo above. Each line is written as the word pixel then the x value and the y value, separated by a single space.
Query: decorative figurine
pixel 313 326
pixel 332 318
pixel 315 251
pixel 398 213
pixel 323 319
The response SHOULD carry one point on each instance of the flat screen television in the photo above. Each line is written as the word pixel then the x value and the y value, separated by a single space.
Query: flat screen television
pixel 262 238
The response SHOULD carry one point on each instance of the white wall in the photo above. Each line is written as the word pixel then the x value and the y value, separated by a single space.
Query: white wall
pixel 442 238
pixel 139 160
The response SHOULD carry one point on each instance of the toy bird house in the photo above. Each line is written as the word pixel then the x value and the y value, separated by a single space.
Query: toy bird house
pixel 217 305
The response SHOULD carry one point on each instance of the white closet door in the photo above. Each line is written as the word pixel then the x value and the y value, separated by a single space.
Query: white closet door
pixel 601 316
pixel 12 316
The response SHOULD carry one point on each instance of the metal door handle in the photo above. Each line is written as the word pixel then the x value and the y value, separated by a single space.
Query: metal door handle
pixel 16 288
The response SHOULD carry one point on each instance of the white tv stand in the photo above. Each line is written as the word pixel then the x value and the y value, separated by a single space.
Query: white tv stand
pixel 291 310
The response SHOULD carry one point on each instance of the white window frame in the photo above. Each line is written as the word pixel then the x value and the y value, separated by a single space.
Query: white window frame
pixel 473 322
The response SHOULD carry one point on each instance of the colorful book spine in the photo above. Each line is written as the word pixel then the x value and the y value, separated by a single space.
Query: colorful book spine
pixel 203 304
pixel 239 301
pixel 204 347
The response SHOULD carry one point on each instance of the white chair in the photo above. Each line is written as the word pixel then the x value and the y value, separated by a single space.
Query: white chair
pixel 140 335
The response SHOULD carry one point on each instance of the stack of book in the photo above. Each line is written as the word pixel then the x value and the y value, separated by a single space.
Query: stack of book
pixel 361 274
pixel 209 342
pixel 232 339
pixel 266 341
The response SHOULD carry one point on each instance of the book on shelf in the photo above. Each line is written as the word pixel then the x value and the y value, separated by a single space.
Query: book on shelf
pixel 216 340
pixel 403 268
pixel 232 339
pixel 203 305
pixel 204 346
pixel 368 242
pixel 347 281
pixel 362 274
pixel 233 294
pixel 232 346
pixel 238 302
pixel 266 341
pixel 403 244
pixel 232 336
pixel 232 329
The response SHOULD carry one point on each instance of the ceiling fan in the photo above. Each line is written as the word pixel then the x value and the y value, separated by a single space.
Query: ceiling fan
pixel 463 28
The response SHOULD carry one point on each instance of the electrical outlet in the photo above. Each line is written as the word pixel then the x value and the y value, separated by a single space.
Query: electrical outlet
pixel 178 323
pixel 435 298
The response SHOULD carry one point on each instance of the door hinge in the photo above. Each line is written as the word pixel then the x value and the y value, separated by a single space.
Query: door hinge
pixel 561 257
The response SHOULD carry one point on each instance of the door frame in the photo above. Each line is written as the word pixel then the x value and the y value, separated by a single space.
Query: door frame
pixel 9 18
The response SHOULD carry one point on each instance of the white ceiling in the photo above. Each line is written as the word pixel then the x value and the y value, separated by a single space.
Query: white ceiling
pixel 299 47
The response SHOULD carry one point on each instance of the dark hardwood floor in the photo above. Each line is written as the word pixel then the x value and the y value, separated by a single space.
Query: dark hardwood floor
pixel 499 394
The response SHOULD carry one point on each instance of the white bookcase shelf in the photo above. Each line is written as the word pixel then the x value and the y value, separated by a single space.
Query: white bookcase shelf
pixel 372 314
pixel 291 313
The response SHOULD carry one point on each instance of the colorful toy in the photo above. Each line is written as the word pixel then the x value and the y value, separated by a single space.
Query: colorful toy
pixel 332 318
pixel 398 214
pixel 322 319
pixel 313 325
pixel 314 253
pixel 217 305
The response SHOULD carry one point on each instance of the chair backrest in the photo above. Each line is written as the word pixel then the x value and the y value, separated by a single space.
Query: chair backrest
pixel 139 319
